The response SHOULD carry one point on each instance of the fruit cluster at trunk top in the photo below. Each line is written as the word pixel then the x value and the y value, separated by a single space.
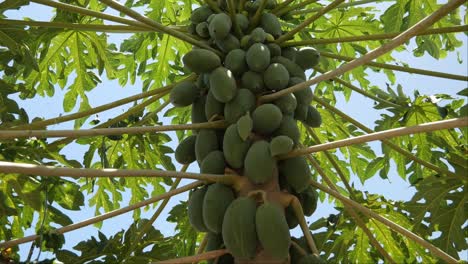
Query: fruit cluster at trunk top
pixel 227 88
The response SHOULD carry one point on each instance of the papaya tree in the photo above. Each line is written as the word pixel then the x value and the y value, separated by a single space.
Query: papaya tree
pixel 239 109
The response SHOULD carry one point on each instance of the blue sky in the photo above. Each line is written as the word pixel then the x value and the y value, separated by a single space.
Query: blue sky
pixel 358 107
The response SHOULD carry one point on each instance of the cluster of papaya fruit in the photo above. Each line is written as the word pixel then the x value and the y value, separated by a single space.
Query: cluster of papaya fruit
pixel 249 64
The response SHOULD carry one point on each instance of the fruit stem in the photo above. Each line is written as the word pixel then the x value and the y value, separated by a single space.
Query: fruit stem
pixel 152 114
pixel 361 91
pixel 298 248
pixel 281 6
pixel 101 108
pixel 349 209
pixel 258 193
pixel 153 24
pixel 258 14
pixel 232 13
pixel 96 219
pixel 399 68
pixel 308 21
pixel 395 227
pixel 197 258
pixel 387 142
pixel 397 41
pixel 213 6
pixel 290 8
pixel 309 42
pixel 297 207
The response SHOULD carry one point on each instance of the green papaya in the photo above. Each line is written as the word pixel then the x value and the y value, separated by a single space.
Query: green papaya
pixel 244 126
pixel 195 209
pixel 253 81
pixel 288 127
pixel 201 60
pixel 271 4
pixel 245 42
pixel 314 119
pixel 287 104
pixel 252 6
pixel 275 49
pixel 273 230
pixel 257 35
pixel 259 165
pixel 208 20
pixel 214 241
pixel 198 110
pixel 185 151
pixel 294 253
pixel 243 102
pixel 293 69
pixel 206 142
pixel 213 163
pixel 271 24
pixel 202 30
pixel 234 147
pixel 200 14
pixel 220 26
pixel 290 53
pixel 217 199
pixel 303 96
pixel 307 58
pixel 192 29
pixel 309 199
pixel 276 77
pixel 213 106
pixel 184 94
pixel 301 112
pixel 311 259
pixel 239 232
pixel 242 21
pixel 258 57
pixel 235 62
pixel 230 42
pixel 291 219
pixel 266 118
pixel 223 85
pixel 296 171
pixel 281 145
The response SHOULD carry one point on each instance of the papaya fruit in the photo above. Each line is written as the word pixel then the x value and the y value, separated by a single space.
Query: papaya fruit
pixel 220 26
pixel 183 94
pixel 111 137
pixel 289 53
pixel 271 24
pixel 281 145
pixel 275 49
pixel 239 232
pixel 213 106
pixel 206 142
pixel 243 102
pixel 185 151
pixel 208 20
pixel 201 60
pixel 273 230
pixel 245 42
pixel 291 219
pixel 288 127
pixel 242 21
pixel 266 118
pixel 198 110
pixel 201 14
pixel 314 119
pixel 301 112
pixel 213 163
pixel 307 58
pixel 303 96
pixel 294 253
pixel 258 57
pixel 311 259
pixel 234 147
pixel 191 29
pixel 226 259
pixel 195 209
pixel 214 241
pixel 202 30
pixel 276 77
pixel 252 6
pixel 257 35
pixel 271 4
pixel 223 85
pixel 309 199
pixel 287 104
pixel 296 171
pixel 235 62
pixel 244 126
pixel 230 42
pixel 293 69
pixel 259 165
pixel 217 199
pixel 253 81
